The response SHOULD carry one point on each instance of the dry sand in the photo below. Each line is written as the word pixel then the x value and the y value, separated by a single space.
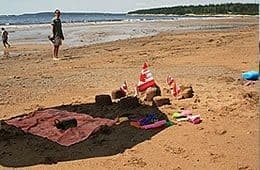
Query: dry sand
pixel 211 61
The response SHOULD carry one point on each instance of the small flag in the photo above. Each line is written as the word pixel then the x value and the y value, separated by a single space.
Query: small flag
pixel 146 79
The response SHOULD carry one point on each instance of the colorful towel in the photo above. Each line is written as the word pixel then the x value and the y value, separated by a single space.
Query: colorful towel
pixel 41 123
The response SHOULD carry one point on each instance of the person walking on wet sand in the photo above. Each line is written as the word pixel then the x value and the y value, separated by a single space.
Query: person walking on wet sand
pixel 57 36
pixel 5 38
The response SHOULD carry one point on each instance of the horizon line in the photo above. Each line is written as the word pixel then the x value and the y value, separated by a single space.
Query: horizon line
pixel 40 12
pixel 110 12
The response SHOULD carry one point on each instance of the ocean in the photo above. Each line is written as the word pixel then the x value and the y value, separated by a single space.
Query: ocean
pixel 44 18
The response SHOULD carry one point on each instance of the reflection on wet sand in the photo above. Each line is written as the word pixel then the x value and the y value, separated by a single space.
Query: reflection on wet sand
pixel 6 54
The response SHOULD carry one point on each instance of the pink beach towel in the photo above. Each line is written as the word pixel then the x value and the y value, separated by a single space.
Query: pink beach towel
pixel 41 123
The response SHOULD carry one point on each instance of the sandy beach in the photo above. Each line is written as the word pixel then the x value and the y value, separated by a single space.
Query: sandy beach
pixel 210 60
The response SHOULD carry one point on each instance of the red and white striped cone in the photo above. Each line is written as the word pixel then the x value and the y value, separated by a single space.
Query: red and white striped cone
pixel 146 79
pixel 175 89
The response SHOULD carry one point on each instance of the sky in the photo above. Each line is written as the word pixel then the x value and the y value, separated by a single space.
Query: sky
pixel 113 6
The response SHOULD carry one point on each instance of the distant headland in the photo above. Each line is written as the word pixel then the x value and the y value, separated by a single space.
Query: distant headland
pixel 211 9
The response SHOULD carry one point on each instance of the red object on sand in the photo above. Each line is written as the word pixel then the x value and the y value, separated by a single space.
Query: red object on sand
pixel 146 79
pixel 155 125
pixel 175 89
pixel 41 123
pixel 135 124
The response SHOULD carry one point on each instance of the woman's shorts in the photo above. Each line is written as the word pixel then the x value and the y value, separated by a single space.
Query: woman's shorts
pixel 57 41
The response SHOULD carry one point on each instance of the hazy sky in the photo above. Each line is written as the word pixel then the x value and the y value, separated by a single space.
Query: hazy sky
pixel 32 6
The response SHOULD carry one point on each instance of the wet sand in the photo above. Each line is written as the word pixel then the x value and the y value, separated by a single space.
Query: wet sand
pixel 210 60
pixel 79 34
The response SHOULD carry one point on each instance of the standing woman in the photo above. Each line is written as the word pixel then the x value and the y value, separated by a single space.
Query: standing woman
pixel 57 34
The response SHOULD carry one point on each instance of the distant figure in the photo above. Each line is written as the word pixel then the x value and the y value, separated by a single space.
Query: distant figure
pixel 5 38
pixel 57 36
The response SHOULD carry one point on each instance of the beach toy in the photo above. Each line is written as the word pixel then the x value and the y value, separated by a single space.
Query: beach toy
pixel 135 124
pixel 177 115
pixel 154 125
pixel 174 88
pixel 121 120
pixel 170 123
pixel 146 79
pixel 186 113
pixel 194 119
pixel 251 75
pixel 182 119
pixel 150 118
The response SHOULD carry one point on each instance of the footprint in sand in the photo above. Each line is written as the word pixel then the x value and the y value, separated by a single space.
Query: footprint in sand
pixel 244 167
pixel 214 157
pixel 137 162
pixel 220 131
pixel 174 150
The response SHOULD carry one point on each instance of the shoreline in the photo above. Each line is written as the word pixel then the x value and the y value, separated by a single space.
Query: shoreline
pixel 169 17
pixel 80 34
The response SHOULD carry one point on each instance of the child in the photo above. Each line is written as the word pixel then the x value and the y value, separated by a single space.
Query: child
pixel 5 38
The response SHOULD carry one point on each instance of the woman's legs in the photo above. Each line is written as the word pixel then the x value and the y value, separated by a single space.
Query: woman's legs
pixel 56 51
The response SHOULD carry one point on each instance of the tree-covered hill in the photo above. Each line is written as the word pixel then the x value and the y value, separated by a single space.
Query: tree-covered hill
pixel 229 8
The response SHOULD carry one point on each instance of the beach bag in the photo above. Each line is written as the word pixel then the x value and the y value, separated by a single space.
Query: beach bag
pixel 251 75
pixel 65 124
